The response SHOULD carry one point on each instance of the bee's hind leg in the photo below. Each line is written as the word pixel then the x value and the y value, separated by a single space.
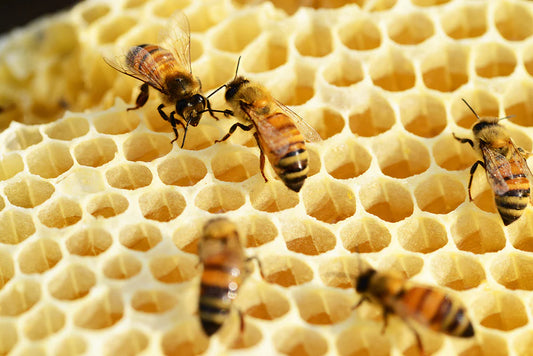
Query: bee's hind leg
pixel 172 120
pixel 472 171
pixel 142 98
pixel 261 157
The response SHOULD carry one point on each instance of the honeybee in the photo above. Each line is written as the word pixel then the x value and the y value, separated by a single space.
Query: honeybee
pixel 279 131
pixel 505 165
pixel 225 269
pixel 168 70
pixel 425 305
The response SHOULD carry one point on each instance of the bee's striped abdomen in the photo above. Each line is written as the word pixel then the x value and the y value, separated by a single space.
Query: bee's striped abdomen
pixel 436 310
pixel 512 203
pixel 149 59
pixel 292 166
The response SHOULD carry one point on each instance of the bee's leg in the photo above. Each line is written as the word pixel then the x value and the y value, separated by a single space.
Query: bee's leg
pixel 472 170
pixel 361 301
pixel 232 130
pixel 386 313
pixel 172 120
pixel 142 98
pixel 464 140
pixel 417 337
pixel 226 112
pixel 261 157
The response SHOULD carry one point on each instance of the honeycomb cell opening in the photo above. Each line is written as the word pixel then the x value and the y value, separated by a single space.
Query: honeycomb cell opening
pixel 494 60
pixel 285 271
pixel 316 41
pixel 387 199
pixel 140 237
pixel 440 194
pixel 186 338
pixel 231 37
pixel 347 160
pixel 100 312
pixel 320 307
pixel 513 21
pixel 129 176
pixel 518 102
pixel 95 152
pixel 307 237
pixel 182 170
pixel 28 192
pixel 259 230
pixel 39 256
pixel 273 196
pixel 114 28
pixel 107 205
pixel 162 204
pixel 423 115
pixel 73 282
pixel 19 297
pixel 68 129
pixel 299 341
pixel 484 103
pixel 360 35
pixel 46 321
pixel 146 147
pixel 122 266
pixel 71 345
pixel 458 271
pixel 174 268
pixel 49 160
pixel 10 165
pixel 94 12
pixel 400 156
pixel 267 54
pixel 219 198
pixel 130 342
pixel 330 201
pixel 374 118
pixel 422 234
pixel 364 235
pixel 89 242
pixel 392 71
pixel 446 69
pixel 452 155
pixel 475 232
pixel 326 121
pixel 513 271
pixel 407 265
pixel 465 21
pixel 499 310
pixel 363 339
pixel 411 29
pixel 116 121
pixel 264 302
pixel 153 301
pixel 234 165
pixel 7 269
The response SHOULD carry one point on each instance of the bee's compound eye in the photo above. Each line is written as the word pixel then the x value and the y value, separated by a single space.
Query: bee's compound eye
pixel 198 99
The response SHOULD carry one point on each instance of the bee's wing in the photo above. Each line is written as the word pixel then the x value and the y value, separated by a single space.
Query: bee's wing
pixel 497 167
pixel 177 39
pixel 519 157
pixel 307 131
pixel 149 76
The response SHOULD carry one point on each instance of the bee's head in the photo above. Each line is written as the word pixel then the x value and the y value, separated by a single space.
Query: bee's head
pixel 484 123
pixel 191 108
pixel 363 280
pixel 234 86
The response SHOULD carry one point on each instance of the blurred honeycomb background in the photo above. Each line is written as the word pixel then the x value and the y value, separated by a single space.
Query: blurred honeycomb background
pixel 100 214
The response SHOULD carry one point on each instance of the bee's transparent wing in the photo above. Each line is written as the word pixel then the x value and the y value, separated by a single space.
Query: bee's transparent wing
pixel 177 39
pixel 307 131
pixel 497 167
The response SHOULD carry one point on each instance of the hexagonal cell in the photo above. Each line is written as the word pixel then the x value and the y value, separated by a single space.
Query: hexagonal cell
pixel 307 237
pixel 185 338
pixel 28 192
pixel 234 165
pixel 360 339
pixel 485 104
pixel 130 342
pixel 129 176
pixel 314 41
pixel 330 201
pixel 71 345
pixel 174 268
pixel 440 194
pixel 116 121
pixel 400 156
pixel 423 115
pixel 146 147
pixel 264 301
pixel 341 272
pixel 475 232
pixel 410 29
pixel 68 128
pixel 392 71
pixel 20 297
pixel 301 90
pixel 186 236
pixel 365 234
pixel 465 20
pixel 231 38
pixel 122 266
pixel 513 21
pixel 267 54
pixel 60 213
pixel 140 237
pixel 7 270
pixel 10 164
pixel 518 101
pixel 49 160
pixel 452 155
pixel 15 227
pixel 295 340
pixel 95 152
pixel 374 118
pixel 214 71
pixel 8 336
pixel 162 204
pixel 520 233
pixel 152 301
pixel 387 199
pixel 272 197
pixel 458 271
pixel 326 121
pixel 494 60
pixel 347 160
pixel 219 198
pixel 44 322
pixel 115 27
pixel 165 8
pixel 422 234
pixel 24 137
pixel 407 265
pixel 181 170
pixel 94 12
pixel 101 312
pixel 360 35
pixel 446 69
pixel 72 282
pixel 323 307
pixel 259 230
pixel 89 242
pixel 285 271
pixel 39 256
pixel 499 310
pixel 513 270
pixel 344 72
pixel 201 137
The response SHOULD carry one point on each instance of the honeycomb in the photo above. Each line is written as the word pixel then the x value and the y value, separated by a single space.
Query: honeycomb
pixel 100 215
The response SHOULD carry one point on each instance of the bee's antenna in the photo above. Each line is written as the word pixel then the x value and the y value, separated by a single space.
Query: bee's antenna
pixel 470 108
pixel 237 69
pixel 506 117
pixel 222 86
